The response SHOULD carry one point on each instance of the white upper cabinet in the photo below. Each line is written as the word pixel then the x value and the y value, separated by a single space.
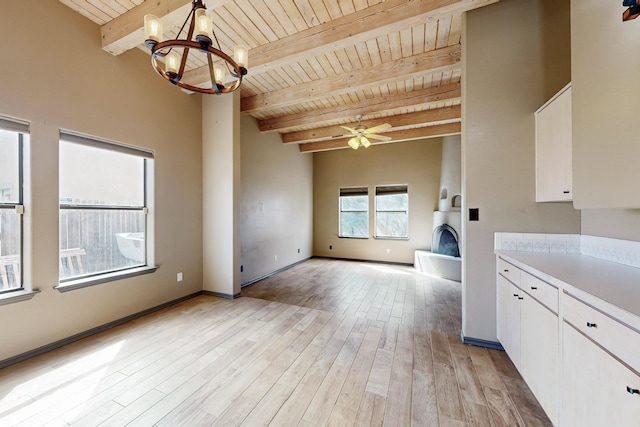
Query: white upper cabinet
pixel 553 149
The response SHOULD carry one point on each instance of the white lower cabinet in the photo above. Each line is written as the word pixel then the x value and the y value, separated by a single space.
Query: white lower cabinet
pixel 528 331
pixel 580 361
pixel 597 390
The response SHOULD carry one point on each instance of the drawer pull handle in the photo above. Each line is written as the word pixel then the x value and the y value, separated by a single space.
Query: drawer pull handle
pixel 566 192
pixel 534 288
pixel 506 271
pixel 520 297
pixel 591 325
pixel 632 390
pixel 516 295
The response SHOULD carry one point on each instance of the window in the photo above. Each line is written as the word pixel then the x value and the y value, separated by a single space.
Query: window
pixel 392 212
pixel 13 135
pixel 354 212
pixel 103 207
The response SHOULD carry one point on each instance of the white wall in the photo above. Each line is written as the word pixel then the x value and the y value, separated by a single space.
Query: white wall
pixel 416 163
pixel 506 78
pixel 276 202
pixel 55 75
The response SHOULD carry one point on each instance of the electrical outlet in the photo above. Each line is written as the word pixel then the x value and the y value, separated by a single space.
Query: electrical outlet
pixel 241 268
pixel 330 247
pixel 298 250
pixel 388 251
pixel 275 257
pixel 179 277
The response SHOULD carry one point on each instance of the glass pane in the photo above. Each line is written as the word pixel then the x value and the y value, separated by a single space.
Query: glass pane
pixel 392 224
pixel 354 203
pixel 10 264
pixel 94 176
pixel 392 202
pixel 9 167
pixel 354 224
pixel 100 240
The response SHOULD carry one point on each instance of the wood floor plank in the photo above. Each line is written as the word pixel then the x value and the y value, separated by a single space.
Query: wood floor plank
pixel 398 409
pixel 449 401
pixel 345 410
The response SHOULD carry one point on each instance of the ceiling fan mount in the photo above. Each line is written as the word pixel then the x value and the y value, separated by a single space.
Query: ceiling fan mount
pixel 360 134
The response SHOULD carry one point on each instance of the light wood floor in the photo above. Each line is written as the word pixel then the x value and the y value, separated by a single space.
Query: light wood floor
pixel 324 343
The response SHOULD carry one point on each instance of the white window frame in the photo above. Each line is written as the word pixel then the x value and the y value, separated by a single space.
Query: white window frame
pixel 72 283
pixel 351 192
pixel 381 190
pixel 24 291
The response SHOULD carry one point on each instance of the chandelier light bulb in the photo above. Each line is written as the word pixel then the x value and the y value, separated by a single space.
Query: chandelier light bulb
pixel 172 63
pixel 240 55
pixel 220 74
pixel 204 27
pixel 152 28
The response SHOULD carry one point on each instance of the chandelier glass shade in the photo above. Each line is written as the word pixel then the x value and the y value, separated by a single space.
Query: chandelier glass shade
pixel 200 36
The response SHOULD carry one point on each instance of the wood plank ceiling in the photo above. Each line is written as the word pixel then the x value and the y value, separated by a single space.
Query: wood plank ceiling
pixel 316 64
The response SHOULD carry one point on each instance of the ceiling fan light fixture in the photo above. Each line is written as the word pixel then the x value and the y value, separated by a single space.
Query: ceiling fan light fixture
pixel 360 134
pixel 200 37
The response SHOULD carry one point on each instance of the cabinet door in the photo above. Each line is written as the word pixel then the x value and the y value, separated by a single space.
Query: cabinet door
pixel 539 359
pixel 509 319
pixel 594 385
pixel 553 149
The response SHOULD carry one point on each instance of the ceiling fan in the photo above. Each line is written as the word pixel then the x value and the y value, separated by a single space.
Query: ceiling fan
pixel 360 134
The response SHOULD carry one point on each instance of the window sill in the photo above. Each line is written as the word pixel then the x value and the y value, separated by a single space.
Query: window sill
pixel 17 296
pixel 391 238
pixel 353 237
pixel 85 282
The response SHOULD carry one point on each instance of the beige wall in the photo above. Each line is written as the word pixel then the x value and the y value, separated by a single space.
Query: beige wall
pixel 605 111
pixel 55 75
pixel 451 174
pixel 506 80
pixel 221 194
pixel 276 202
pixel 416 163
pixel 605 98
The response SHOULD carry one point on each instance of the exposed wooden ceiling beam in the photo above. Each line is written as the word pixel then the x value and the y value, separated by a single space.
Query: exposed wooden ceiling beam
pixel 399 121
pixel 127 30
pixel 399 136
pixel 449 92
pixel 434 61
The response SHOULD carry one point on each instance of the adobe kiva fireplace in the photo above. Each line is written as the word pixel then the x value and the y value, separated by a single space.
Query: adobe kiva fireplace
pixel 445 241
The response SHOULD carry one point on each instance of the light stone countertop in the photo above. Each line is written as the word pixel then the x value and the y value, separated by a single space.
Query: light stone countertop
pixel 608 286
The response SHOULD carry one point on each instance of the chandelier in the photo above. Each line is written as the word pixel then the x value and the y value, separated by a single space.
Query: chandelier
pixel 200 36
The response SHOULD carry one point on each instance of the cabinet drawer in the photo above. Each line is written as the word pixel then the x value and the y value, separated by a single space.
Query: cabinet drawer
pixel 539 290
pixel 509 271
pixel 618 339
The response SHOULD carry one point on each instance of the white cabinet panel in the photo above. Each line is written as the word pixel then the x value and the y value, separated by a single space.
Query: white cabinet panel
pixel 539 360
pixel 554 149
pixel 509 318
pixel 595 386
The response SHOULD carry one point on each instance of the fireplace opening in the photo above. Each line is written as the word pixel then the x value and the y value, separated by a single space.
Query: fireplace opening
pixel 445 241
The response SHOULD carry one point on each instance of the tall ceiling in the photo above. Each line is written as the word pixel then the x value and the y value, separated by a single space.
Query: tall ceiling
pixel 317 64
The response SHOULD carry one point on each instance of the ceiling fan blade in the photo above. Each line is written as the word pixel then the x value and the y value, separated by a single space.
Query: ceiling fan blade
pixel 365 142
pixel 379 137
pixel 379 128
pixel 353 131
